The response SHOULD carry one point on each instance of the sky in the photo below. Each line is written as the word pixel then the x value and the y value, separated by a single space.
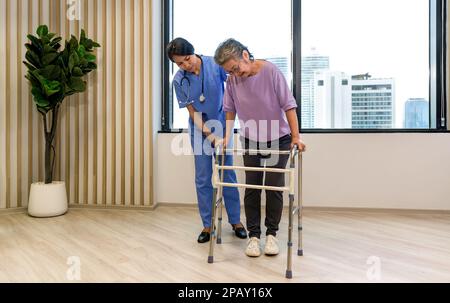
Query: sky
pixel 386 38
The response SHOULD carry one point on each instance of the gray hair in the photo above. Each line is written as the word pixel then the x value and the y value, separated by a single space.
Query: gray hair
pixel 230 49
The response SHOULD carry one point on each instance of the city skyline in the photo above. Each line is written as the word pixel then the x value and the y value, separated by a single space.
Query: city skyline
pixel 361 43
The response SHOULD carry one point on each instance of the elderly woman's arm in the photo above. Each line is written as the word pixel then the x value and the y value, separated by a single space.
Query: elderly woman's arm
pixel 229 126
pixel 291 116
pixel 230 116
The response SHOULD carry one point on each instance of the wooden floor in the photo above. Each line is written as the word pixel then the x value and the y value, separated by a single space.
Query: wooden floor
pixel 160 246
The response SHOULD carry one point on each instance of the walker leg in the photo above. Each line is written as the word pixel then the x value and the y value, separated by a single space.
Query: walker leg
pixel 300 209
pixel 289 244
pixel 289 274
pixel 220 194
pixel 213 229
pixel 219 226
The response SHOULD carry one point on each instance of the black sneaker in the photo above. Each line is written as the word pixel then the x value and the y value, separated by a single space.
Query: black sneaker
pixel 204 237
pixel 240 231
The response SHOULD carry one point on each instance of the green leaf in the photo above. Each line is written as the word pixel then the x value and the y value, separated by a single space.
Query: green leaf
pixel 32 48
pixel 82 35
pixel 42 31
pixel 83 62
pixel 51 35
pixel 51 72
pixel 65 55
pixel 69 91
pixel 45 40
pixel 81 51
pixel 49 58
pixel 33 59
pixel 33 80
pixel 95 44
pixel 77 84
pixel 56 46
pixel 39 99
pixel 51 87
pixel 73 43
pixel 55 42
pixel 77 72
pixel 89 44
pixel 36 42
pixel 73 61
pixel 48 49
pixel 29 66
pixel 90 57
pixel 63 75
pixel 92 65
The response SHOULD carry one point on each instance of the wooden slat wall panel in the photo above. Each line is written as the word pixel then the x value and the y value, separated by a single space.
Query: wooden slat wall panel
pixel 3 29
pixel 103 142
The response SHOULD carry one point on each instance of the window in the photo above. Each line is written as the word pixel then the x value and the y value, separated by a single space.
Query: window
pixel 266 40
pixel 352 64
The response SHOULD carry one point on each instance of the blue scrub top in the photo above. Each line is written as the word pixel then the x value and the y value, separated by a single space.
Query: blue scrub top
pixel 214 77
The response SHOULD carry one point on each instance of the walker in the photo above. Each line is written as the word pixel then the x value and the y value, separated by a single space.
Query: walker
pixel 218 185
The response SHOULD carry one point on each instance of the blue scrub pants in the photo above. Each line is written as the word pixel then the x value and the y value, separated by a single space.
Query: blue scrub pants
pixel 203 184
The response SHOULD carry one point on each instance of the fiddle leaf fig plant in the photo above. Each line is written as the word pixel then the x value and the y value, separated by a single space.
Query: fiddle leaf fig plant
pixel 55 75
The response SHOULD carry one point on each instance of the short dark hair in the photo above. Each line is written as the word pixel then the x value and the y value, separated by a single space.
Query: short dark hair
pixel 179 47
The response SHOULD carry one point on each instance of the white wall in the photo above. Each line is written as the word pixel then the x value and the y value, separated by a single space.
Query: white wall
pixel 404 171
pixel 401 171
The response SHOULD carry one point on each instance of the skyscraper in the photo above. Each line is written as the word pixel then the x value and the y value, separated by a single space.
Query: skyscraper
pixel 332 100
pixel 372 102
pixel 283 64
pixel 417 113
pixel 310 64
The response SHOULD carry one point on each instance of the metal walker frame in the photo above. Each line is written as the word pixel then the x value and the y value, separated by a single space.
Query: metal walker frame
pixel 218 184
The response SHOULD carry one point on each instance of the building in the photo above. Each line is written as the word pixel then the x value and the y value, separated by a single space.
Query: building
pixel 332 100
pixel 417 113
pixel 372 102
pixel 283 64
pixel 309 65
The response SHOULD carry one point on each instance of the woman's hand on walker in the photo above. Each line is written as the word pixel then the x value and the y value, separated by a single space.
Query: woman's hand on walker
pixel 300 145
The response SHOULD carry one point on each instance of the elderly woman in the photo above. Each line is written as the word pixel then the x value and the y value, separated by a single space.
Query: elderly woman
pixel 258 93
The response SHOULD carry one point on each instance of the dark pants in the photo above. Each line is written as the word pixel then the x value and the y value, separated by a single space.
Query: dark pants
pixel 274 199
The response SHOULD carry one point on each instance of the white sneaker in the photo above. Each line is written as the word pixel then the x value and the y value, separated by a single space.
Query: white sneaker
pixel 271 247
pixel 253 249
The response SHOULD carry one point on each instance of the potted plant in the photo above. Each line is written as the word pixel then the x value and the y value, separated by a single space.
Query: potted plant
pixel 54 75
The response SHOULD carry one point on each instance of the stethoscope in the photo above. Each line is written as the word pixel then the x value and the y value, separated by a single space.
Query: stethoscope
pixel 185 78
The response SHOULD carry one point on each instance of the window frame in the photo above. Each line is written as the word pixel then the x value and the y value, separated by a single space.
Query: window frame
pixel 437 64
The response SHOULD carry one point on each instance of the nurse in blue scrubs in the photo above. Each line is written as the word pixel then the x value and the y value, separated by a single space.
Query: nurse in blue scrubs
pixel 199 86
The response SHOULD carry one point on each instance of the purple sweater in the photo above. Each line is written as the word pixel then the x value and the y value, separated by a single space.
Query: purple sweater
pixel 260 102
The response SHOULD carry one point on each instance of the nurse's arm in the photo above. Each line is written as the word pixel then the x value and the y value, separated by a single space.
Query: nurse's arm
pixel 199 123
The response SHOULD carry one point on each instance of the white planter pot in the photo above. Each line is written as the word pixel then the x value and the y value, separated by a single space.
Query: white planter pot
pixel 47 200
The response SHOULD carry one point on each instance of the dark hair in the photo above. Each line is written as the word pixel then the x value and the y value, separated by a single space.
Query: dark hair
pixel 179 47
pixel 230 49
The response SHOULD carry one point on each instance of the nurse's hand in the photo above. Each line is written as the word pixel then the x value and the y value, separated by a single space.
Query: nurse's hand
pixel 220 141
pixel 300 145
pixel 213 139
